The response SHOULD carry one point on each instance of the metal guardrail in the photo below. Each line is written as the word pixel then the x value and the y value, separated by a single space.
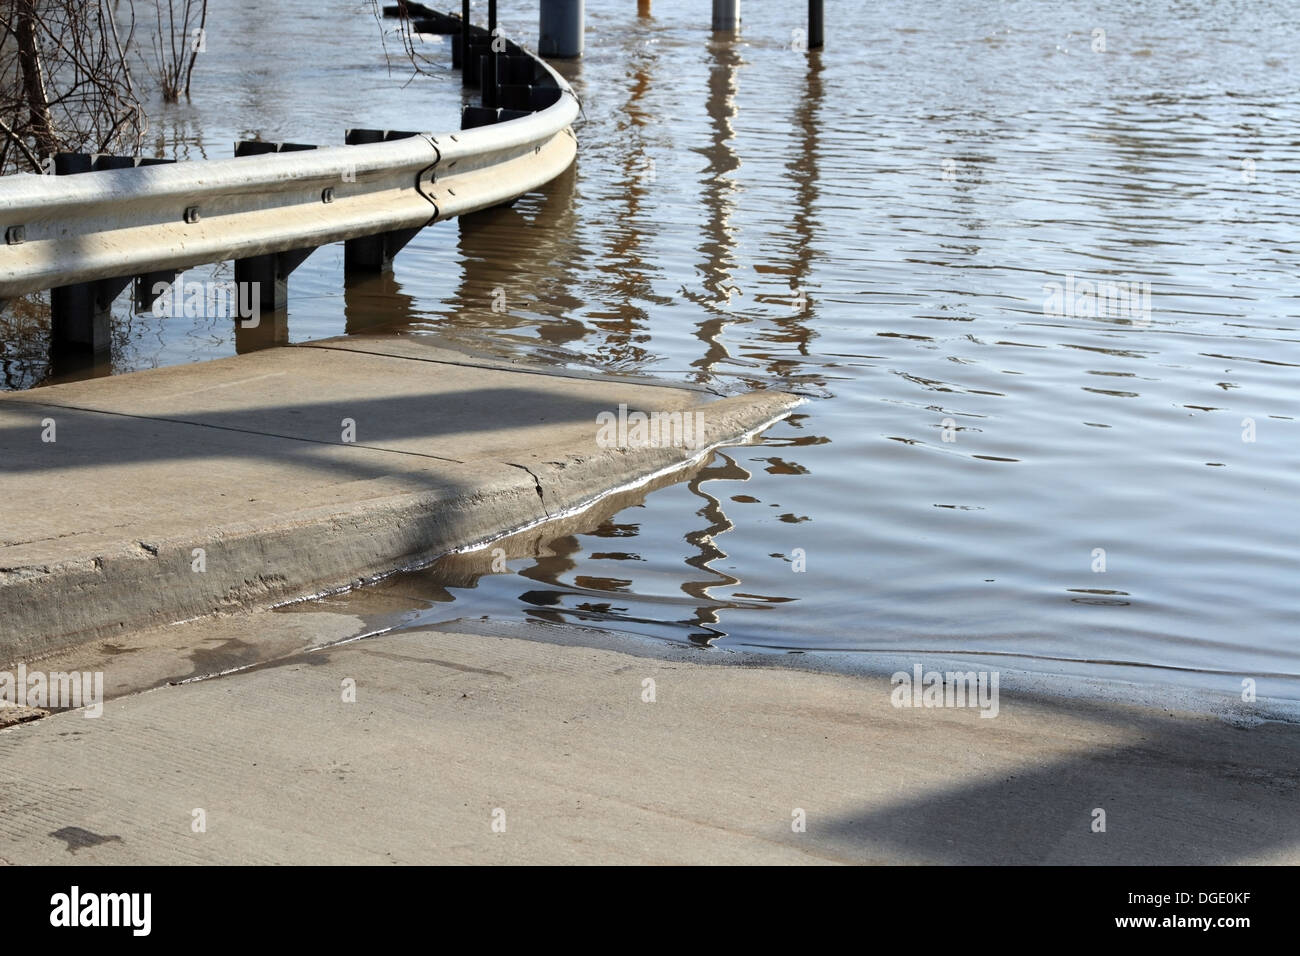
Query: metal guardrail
pixel 63 230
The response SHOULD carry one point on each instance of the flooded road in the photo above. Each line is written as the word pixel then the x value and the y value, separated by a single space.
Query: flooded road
pixel 908 227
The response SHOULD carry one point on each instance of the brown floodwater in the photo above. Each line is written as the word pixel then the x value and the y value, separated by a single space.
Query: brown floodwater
pixel 984 468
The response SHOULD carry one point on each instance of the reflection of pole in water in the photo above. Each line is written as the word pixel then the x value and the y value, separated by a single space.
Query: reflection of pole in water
pixel 723 468
pixel 622 320
pixel 718 247
pixel 802 169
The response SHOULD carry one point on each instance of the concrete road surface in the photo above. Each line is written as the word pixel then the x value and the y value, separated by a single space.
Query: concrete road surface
pixel 436 746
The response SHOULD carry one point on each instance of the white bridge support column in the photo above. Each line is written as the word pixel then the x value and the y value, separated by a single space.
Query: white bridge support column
pixel 559 28
pixel 726 16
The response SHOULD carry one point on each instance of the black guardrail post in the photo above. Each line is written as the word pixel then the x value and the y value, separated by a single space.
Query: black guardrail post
pixel 517 92
pixel 266 276
pixel 143 295
pixel 412 10
pixel 81 314
pixel 375 253
pixel 255 147
pixel 424 19
pixel 475 116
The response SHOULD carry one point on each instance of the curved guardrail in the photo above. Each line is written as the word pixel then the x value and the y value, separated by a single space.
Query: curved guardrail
pixel 62 230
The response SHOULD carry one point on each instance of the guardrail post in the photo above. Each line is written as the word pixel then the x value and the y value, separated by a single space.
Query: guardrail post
pixel 475 68
pixel 412 8
pixel 425 19
pixel 472 117
pixel 435 22
pixel 487 77
pixel 143 296
pixel 513 72
pixel 479 44
pixel 269 272
pixel 816 25
pixel 375 253
pixel 726 16
pixel 559 29
pixel 528 99
pixel 255 147
pixel 263 321
pixel 81 314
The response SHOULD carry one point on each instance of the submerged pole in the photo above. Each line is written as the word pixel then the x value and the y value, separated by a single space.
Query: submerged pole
pixel 726 15
pixel 464 42
pixel 488 81
pixel 816 25
pixel 560 28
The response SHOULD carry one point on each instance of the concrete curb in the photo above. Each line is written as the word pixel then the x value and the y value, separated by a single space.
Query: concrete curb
pixel 101 589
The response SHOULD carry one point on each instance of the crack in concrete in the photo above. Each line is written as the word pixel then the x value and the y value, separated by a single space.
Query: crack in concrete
pixel 537 482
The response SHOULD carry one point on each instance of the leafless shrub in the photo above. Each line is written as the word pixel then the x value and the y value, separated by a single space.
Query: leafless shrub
pixel 176 44
pixel 64 82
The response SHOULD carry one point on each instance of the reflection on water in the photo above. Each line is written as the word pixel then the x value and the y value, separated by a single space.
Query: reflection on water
pixel 605 567
pixel 873 225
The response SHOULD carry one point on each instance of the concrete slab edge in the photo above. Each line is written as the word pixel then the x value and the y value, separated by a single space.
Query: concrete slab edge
pixel 142 584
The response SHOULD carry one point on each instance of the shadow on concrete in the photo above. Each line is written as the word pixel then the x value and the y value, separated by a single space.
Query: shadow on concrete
pixel 88 438
pixel 1186 792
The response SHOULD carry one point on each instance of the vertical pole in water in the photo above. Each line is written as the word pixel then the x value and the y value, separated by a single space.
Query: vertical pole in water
pixel 560 28
pixel 464 42
pixel 643 8
pixel 726 15
pixel 815 25
pixel 489 82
